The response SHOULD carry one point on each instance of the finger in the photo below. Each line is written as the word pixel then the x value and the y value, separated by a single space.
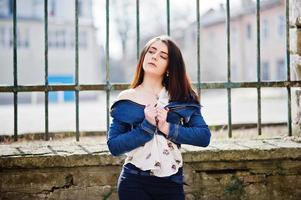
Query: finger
pixel 163 113
pixel 160 110
pixel 164 109
pixel 162 117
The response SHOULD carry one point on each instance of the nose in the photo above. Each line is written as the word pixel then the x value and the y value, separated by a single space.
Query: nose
pixel 154 56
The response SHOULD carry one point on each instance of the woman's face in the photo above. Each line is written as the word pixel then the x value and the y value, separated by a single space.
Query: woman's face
pixel 156 59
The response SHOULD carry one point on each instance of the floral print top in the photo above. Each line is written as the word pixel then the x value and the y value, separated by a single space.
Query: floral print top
pixel 159 155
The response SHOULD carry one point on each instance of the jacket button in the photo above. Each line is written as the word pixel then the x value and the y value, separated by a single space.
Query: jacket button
pixel 182 120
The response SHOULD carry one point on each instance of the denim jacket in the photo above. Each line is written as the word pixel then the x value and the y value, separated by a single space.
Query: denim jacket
pixel 129 128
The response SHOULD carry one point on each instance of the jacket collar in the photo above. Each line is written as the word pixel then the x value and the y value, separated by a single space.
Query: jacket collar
pixel 129 111
pixel 173 104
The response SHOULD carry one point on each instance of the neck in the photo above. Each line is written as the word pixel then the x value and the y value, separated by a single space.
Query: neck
pixel 152 83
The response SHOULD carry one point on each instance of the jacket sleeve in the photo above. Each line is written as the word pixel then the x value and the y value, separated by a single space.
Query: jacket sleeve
pixel 121 140
pixel 197 133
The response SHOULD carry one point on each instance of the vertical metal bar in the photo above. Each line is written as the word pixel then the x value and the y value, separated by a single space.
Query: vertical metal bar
pixel 137 28
pixel 107 63
pixel 46 67
pixel 229 71
pixel 15 70
pixel 198 46
pixel 168 16
pixel 76 71
pixel 289 108
pixel 258 68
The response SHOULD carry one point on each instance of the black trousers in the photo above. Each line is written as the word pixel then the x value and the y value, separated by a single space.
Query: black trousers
pixel 139 187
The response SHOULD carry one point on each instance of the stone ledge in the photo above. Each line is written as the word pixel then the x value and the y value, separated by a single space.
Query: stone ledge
pixel 78 155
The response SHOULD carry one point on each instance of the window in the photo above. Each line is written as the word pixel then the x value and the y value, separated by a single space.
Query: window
pixel 234 36
pixel 10 7
pixel 234 72
pixel 52 8
pixel 38 8
pixel 26 38
pixel 71 39
pixel 249 31
pixel 50 39
pixel 2 37
pixel 56 39
pixel 82 39
pixel 281 70
pixel 60 39
pixel 22 38
pixel 80 8
pixel 66 39
pixel 3 8
pixel 265 29
pixel 281 26
pixel 265 74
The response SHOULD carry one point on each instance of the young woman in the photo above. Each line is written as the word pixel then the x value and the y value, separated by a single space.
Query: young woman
pixel 151 120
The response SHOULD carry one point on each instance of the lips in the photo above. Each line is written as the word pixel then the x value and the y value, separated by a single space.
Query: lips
pixel 151 63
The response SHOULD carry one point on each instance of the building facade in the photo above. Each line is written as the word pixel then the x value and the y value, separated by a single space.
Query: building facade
pixel 61 46
pixel 243 41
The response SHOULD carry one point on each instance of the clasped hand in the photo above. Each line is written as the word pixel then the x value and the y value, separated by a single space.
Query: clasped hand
pixel 155 113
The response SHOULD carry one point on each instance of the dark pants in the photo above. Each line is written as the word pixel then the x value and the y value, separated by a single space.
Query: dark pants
pixel 133 186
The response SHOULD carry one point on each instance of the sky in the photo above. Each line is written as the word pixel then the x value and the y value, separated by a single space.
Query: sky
pixel 188 6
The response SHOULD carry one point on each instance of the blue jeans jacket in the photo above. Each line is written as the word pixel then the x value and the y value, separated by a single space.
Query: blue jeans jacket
pixel 129 128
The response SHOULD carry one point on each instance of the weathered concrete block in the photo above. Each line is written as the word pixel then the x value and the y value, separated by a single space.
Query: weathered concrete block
pixel 295 12
pixel 87 193
pixel 298 33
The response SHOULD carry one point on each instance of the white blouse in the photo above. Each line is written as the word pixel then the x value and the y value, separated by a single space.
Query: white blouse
pixel 159 155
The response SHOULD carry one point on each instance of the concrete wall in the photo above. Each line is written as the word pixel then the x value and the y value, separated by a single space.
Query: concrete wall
pixel 257 169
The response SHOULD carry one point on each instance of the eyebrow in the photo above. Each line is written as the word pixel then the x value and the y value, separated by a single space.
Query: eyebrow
pixel 161 51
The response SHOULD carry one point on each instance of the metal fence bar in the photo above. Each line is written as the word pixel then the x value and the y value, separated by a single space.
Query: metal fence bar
pixel 107 63
pixel 258 67
pixel 138 28
pixel 168 16
pixel 15 70
pixel 46 68
pixel 76 72
pixel 123 86
pixel 229 71
pixel 288 74
pixel 198 46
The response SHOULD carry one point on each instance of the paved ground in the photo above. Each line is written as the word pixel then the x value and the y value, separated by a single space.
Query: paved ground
pixel 93 113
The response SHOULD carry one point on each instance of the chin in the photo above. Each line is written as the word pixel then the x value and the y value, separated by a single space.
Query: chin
pixel 152 73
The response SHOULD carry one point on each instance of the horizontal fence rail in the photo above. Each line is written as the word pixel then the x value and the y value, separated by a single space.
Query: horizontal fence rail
pixel 123 86
pixel 108 86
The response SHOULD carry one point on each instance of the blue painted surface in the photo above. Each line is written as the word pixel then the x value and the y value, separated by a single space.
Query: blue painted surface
pixel 61 79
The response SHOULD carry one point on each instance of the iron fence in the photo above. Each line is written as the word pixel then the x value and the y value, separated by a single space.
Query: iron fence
pixel 108 86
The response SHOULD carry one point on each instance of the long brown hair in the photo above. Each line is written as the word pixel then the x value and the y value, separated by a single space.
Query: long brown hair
pixel 177 82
